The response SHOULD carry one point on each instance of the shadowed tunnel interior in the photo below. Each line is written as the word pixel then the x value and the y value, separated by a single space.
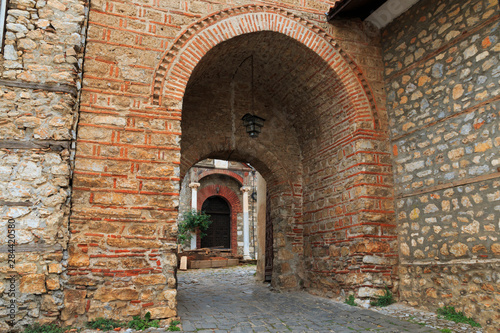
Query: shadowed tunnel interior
pixel 304 151
pixel 293 88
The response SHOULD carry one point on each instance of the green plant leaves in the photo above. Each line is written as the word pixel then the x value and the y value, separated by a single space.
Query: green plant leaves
pixel 192 221
pixel 449 313
pixel 106 324
pixel 173 326
pixel 385 300
pixel 350 300
pixel 140 324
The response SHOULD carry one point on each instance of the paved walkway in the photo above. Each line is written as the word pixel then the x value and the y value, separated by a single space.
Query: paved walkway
pixel 230 300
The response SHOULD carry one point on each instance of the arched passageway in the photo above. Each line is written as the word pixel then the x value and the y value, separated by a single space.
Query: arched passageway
pixel 320 152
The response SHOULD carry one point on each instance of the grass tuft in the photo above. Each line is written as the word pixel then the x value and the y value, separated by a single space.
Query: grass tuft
pixel 350 300
pixel 385 300
pixel 449 312
pixel 139 323
pixel 105 324
pixel 173 326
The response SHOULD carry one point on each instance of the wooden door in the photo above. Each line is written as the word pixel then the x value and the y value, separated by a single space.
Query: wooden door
pixel 219 232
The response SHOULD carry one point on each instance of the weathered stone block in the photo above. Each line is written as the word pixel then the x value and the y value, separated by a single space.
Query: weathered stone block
pixel 49 304
pixel 106 294
pixel 370 292
pixel 77 258
pixel 32 284
pixel 74 302
pixel 162 312
pixel 150 279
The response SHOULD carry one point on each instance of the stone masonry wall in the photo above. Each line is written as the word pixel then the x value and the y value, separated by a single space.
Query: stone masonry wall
pixel 443 98
pixel 40 71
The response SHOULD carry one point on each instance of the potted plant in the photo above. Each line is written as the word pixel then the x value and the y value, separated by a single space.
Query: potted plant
pixel 191 222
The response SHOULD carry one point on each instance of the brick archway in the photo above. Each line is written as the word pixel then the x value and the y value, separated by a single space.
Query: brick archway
pixel 229 173
pixel 324 157
pixel 234 204
pixel 178 62
pixel 329 187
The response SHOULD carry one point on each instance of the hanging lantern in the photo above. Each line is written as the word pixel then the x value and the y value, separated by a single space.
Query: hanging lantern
pixel 253 124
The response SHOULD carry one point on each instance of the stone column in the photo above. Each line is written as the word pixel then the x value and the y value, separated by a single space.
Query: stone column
pixel 246 224
pixel 194 206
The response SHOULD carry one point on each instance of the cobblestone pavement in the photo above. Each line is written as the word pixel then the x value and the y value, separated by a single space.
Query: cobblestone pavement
pixel 230 300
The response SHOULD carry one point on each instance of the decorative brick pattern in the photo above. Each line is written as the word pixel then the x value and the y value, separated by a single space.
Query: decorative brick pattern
pixel 127 167
pixel 229 173
pixel 204 34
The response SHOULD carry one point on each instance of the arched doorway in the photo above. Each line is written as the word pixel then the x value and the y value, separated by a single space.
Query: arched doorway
pixel 219 233
pixel 322 153
pixel 317 144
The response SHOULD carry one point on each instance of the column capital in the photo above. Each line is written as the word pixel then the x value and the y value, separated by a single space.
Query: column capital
pixel 194 185
pixel 245 189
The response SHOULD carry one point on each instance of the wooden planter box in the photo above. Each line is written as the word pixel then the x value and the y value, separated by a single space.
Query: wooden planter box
pixel 217 263
pixel 233 262
pixel 199 264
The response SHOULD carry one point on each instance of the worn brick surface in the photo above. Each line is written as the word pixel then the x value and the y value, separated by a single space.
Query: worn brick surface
pixel 129 157
pixel 165 84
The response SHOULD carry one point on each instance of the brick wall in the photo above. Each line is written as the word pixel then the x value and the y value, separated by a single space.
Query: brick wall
pixel 317 125
pixel 323 151
pixel 442 83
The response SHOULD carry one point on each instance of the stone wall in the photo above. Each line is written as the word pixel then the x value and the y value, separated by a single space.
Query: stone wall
pixel 350 228
pixel 443 86
pixel 40 71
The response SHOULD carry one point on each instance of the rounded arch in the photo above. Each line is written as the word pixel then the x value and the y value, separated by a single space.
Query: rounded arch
pixel 323 127
pixel 272 169
pixel 221 191
pixel 178 62
pixel 228 173
pixel 234 205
